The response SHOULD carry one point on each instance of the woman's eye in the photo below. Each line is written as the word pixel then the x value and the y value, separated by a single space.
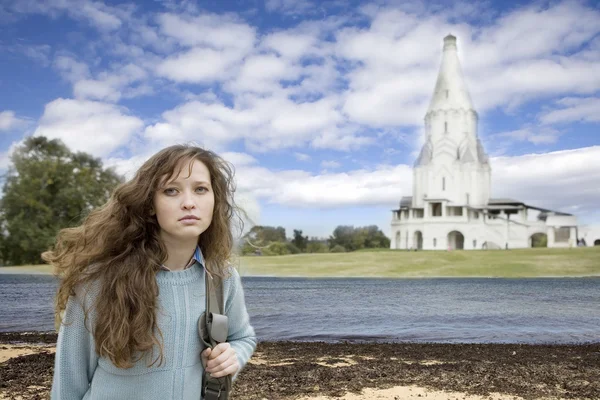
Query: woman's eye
pixel 170 191
pixel 202 187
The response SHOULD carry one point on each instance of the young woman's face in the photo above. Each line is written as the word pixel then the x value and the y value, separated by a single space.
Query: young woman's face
pixel 184 205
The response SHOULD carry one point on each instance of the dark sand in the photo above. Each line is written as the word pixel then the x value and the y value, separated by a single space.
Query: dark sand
pixel 289 370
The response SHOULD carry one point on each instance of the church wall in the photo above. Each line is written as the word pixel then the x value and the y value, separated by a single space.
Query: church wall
pixel 435 235
pixel 472 129
pixel 481 230
pixel 591 234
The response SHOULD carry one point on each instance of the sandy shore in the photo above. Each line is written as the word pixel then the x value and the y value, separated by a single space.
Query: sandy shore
pixel 322 371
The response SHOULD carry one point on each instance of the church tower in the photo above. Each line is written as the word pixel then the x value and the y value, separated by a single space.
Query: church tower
pixel 450 207
pixel 452 166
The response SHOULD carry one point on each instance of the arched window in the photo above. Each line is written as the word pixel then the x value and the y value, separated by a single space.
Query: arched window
pixel 444 183
pixel 445 127
pixel 434 242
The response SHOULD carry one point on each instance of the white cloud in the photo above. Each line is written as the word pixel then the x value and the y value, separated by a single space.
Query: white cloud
pixel 71 69
pixel 574 109
pixel 9 121
pixel 94 127
pixel 302 157
pixel 100 15
pixel 5 156
pixel 262 74
pixel 216 45
pixel 301 189
pixel 291 44
pixel 4 160
pixel 126 167
pixel 239 159
pixel 39 53
pixel 330 164
pixel 264 123
pixel 93 89
pixel 197 121
pixel 563 180
pixel 291 7
pixel 342 139
pixel 109 86
pixel 535 135
pixel 214 31
pixel 199 65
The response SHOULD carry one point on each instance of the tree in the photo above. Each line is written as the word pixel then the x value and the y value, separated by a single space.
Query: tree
pixel 263 235
pixel 375 238
pixel 300 241
pixel 352 239
pixel 342 235
pixel 47 188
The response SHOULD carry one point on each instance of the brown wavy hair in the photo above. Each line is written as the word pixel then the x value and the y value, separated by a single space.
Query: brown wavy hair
pixel 118 246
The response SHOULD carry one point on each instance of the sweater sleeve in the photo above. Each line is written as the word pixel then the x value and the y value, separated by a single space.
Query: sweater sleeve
pixel 76 358
pixel 241 335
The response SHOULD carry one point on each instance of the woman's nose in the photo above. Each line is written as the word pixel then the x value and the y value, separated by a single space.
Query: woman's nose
pixel 188 201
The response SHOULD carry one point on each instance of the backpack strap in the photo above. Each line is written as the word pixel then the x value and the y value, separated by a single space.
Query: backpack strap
pixel 213 329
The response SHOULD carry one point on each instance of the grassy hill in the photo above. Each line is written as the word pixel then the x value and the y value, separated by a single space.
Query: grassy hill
pixel 583 261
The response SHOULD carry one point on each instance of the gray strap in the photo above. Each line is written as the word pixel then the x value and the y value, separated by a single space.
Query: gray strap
pixel 213 329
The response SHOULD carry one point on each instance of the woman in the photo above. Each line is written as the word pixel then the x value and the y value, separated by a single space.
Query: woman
pixel 132 287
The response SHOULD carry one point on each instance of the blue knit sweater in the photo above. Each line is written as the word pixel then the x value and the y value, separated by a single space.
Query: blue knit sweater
pixel 79 373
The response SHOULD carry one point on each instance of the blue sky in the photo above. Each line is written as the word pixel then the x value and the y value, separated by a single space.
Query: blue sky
pixel 319 105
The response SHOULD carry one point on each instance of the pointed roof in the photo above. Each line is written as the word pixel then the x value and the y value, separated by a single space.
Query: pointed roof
pixel 450 89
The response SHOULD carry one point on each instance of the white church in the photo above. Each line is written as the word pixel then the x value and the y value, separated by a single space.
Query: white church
pixel 451 206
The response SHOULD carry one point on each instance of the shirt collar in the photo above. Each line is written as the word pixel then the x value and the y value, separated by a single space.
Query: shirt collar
pixel 196 257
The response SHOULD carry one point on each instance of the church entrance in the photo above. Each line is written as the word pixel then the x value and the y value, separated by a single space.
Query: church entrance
pixel 597 242
pixel 538 240
pixel 456 240
pixel 418 240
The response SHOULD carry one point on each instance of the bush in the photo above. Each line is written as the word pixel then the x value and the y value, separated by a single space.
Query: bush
pixel 317 247
pixel 338 249
pixel 292 248
pixel 276 249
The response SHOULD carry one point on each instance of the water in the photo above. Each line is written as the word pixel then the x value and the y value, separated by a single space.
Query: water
pixel 548 310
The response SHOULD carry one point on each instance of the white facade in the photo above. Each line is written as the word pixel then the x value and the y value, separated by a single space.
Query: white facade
pixel 589 234
pixel 451 206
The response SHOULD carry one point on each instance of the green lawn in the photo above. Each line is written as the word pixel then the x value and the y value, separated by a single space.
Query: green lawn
pixel 403 264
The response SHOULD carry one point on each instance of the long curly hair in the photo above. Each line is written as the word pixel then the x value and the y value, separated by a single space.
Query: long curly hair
pixel 118 246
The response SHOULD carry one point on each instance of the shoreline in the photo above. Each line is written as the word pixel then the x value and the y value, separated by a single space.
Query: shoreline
pixel 24 271
pixel 323 371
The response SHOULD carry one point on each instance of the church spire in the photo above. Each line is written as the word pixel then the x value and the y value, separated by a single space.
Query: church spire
pixel 450 89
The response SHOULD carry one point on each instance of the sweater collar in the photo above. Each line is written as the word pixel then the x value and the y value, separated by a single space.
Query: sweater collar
pixel 197 257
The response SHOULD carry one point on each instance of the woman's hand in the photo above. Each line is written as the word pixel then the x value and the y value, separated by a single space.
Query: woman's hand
pixel 221 360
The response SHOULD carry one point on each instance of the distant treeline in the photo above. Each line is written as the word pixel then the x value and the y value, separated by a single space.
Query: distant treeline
pixel 268 240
